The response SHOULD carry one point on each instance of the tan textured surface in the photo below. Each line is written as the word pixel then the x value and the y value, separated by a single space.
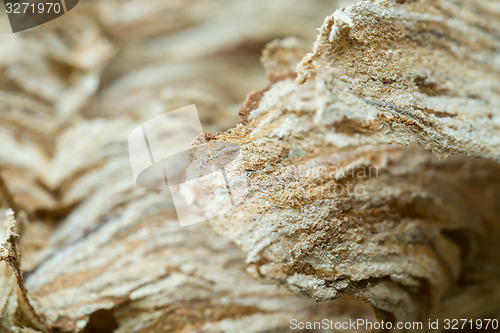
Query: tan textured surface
pixel 97 252
pixel 334 208
pixel 388 224
pixel 414 71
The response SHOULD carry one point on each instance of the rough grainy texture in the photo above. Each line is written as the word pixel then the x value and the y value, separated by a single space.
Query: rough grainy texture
pixel 333 207
pixel 15 304
pixel 89 250
pixel 394 226
pixel 412 71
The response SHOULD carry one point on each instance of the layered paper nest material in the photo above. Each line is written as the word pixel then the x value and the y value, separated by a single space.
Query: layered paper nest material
pixel 346 195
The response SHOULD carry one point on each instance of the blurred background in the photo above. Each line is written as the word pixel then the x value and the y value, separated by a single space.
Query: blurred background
pixel 109 57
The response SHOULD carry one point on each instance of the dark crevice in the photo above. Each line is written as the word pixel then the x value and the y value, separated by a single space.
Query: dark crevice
pixel 101 321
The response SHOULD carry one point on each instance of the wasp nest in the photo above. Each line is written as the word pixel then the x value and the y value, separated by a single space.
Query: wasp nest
pixel 371 169
pixel 346 193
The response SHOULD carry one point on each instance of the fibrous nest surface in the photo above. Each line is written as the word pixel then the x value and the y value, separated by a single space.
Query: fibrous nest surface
pixel 372 174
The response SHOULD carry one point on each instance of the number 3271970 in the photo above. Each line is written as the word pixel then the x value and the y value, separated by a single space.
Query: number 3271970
pixel 32 8
pixel 460 324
